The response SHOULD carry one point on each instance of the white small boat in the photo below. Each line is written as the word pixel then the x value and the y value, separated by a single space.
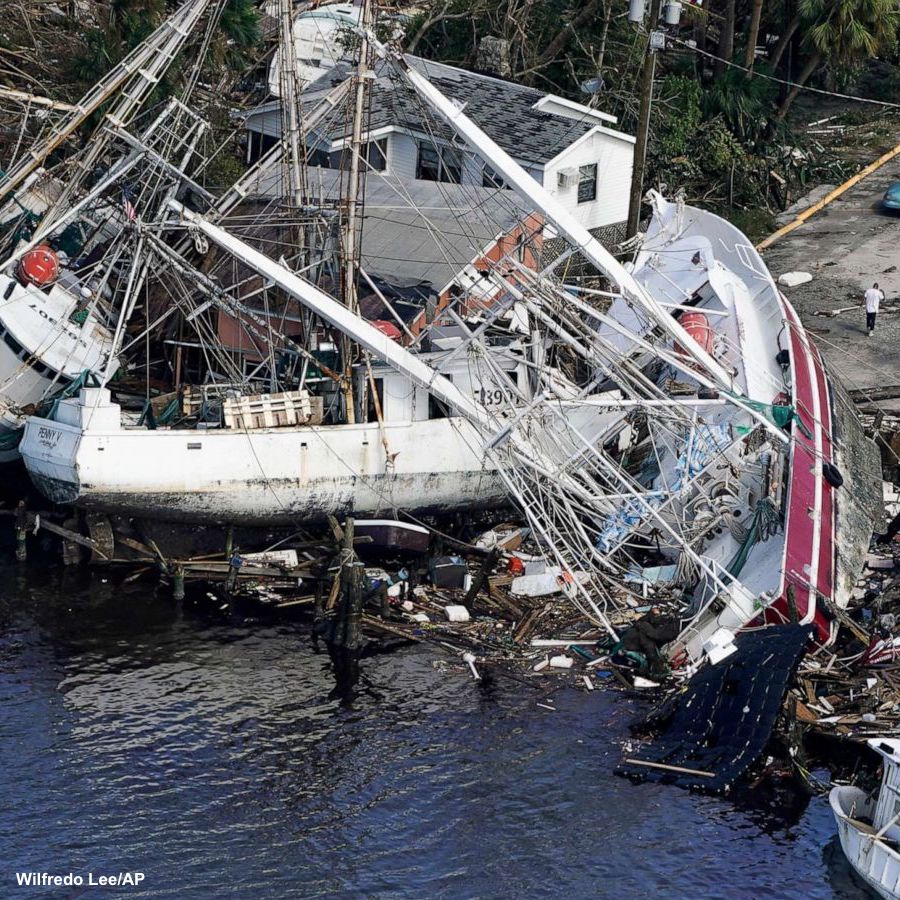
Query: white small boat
pixel 869 825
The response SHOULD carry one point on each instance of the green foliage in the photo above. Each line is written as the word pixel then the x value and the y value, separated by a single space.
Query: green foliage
pixel 677 115
pixel 99 52
pixel 132 21
pixel 846 31
pixel 240 23
pixel 223 171
pixel 744 105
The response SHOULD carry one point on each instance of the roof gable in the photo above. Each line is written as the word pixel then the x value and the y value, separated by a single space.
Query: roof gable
pixel 510 114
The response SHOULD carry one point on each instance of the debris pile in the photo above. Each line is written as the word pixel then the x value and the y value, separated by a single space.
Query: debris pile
pixel 851 690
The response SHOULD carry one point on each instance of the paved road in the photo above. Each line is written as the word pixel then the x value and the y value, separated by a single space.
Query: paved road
pixel 846 247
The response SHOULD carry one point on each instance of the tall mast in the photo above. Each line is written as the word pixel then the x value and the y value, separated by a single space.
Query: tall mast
pixel 354 186
pixel 351 241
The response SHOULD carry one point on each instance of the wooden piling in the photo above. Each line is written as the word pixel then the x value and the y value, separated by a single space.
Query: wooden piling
pixel 21 532
pixel 178 582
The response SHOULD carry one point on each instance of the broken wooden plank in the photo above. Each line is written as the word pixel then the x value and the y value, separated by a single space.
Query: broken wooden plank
pixel 68 535
pixel 681 770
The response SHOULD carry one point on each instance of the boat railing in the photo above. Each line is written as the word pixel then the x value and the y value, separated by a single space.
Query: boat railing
pixel 698 626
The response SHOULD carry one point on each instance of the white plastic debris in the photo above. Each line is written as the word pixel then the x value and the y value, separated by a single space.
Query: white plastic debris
pixel 543 584
pixel 456 613
pixel 421 617
pixel 541 665
pixel 640 682
pixel 588 683
pixel 407 605
pixel 287 558
pixel 719 645
pixel 871 682
pixel 793 279
pixel 561 662
pixel 395 590
pixel 470 659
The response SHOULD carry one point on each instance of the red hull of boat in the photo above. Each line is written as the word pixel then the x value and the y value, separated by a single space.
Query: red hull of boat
pixel 808 575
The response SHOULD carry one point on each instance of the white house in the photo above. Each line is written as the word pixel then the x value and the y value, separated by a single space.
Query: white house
pixel 571 149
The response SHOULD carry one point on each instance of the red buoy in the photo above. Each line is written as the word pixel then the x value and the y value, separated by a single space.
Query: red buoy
pixel 39 266
pixel 697 326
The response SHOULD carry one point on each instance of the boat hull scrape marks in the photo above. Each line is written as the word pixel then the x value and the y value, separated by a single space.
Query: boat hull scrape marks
pixel 266 476
pixel 722 724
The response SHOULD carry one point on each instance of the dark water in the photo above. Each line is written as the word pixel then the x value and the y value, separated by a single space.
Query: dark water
pixel 207 754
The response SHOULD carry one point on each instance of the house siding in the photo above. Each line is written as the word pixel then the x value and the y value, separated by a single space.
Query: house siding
pixel 615 159
pixel 402 155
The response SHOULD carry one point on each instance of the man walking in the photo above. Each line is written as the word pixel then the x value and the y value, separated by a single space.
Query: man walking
pixel 874 296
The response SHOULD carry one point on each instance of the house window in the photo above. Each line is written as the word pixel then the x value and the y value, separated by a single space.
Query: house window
pixel 490 179
pixel 377 154
pixel 587 183
pixel 439 164
pixel 319 157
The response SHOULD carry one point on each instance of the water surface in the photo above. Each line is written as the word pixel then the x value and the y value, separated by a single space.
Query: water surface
pixel 208 753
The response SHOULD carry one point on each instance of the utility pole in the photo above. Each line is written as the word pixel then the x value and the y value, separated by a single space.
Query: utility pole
pixel 643 131
pixel 294 151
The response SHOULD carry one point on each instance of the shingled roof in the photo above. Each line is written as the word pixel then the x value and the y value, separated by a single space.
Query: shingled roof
pixel 504 110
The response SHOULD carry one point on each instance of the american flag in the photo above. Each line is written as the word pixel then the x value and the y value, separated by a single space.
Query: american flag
pixel 128 206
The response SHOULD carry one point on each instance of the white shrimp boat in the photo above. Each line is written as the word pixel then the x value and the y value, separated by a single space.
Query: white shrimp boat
pixel 869 825
pixel 415 458
pixel 71 261
pixel 42 349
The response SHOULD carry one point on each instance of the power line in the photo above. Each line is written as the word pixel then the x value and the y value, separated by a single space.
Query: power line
pixel 803 87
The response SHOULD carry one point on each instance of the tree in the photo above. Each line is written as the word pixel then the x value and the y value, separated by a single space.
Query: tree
pixel 752 36
pixel 842 32
pixel 726 37
pixel 787 35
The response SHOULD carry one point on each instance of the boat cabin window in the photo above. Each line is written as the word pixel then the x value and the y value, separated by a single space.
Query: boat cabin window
pixel 23 354
pixel 437 409
pixel 319 157
pixel 587 183
pixel 439 164
pixel 371 409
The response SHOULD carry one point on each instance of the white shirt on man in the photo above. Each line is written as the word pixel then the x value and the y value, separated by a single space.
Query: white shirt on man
pixel 873 298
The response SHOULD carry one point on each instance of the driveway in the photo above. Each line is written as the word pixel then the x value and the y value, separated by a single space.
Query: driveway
pixel 846 247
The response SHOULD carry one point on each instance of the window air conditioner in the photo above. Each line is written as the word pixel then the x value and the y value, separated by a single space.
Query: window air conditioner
pixel 565 178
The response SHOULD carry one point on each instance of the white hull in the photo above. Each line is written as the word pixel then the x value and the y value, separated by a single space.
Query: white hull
pixel 876 862
pixel 267 476
pixel 41 351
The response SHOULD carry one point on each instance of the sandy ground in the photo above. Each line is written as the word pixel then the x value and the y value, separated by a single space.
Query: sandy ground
pixel 846 247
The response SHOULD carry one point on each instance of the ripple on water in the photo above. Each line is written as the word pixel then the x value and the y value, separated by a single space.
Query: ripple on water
pixel 211 756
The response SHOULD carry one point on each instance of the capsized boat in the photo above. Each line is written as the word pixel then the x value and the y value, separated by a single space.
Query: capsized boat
pixel 796 536
pixel 869 825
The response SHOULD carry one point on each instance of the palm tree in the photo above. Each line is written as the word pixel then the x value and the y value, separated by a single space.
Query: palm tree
pixel 842 32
